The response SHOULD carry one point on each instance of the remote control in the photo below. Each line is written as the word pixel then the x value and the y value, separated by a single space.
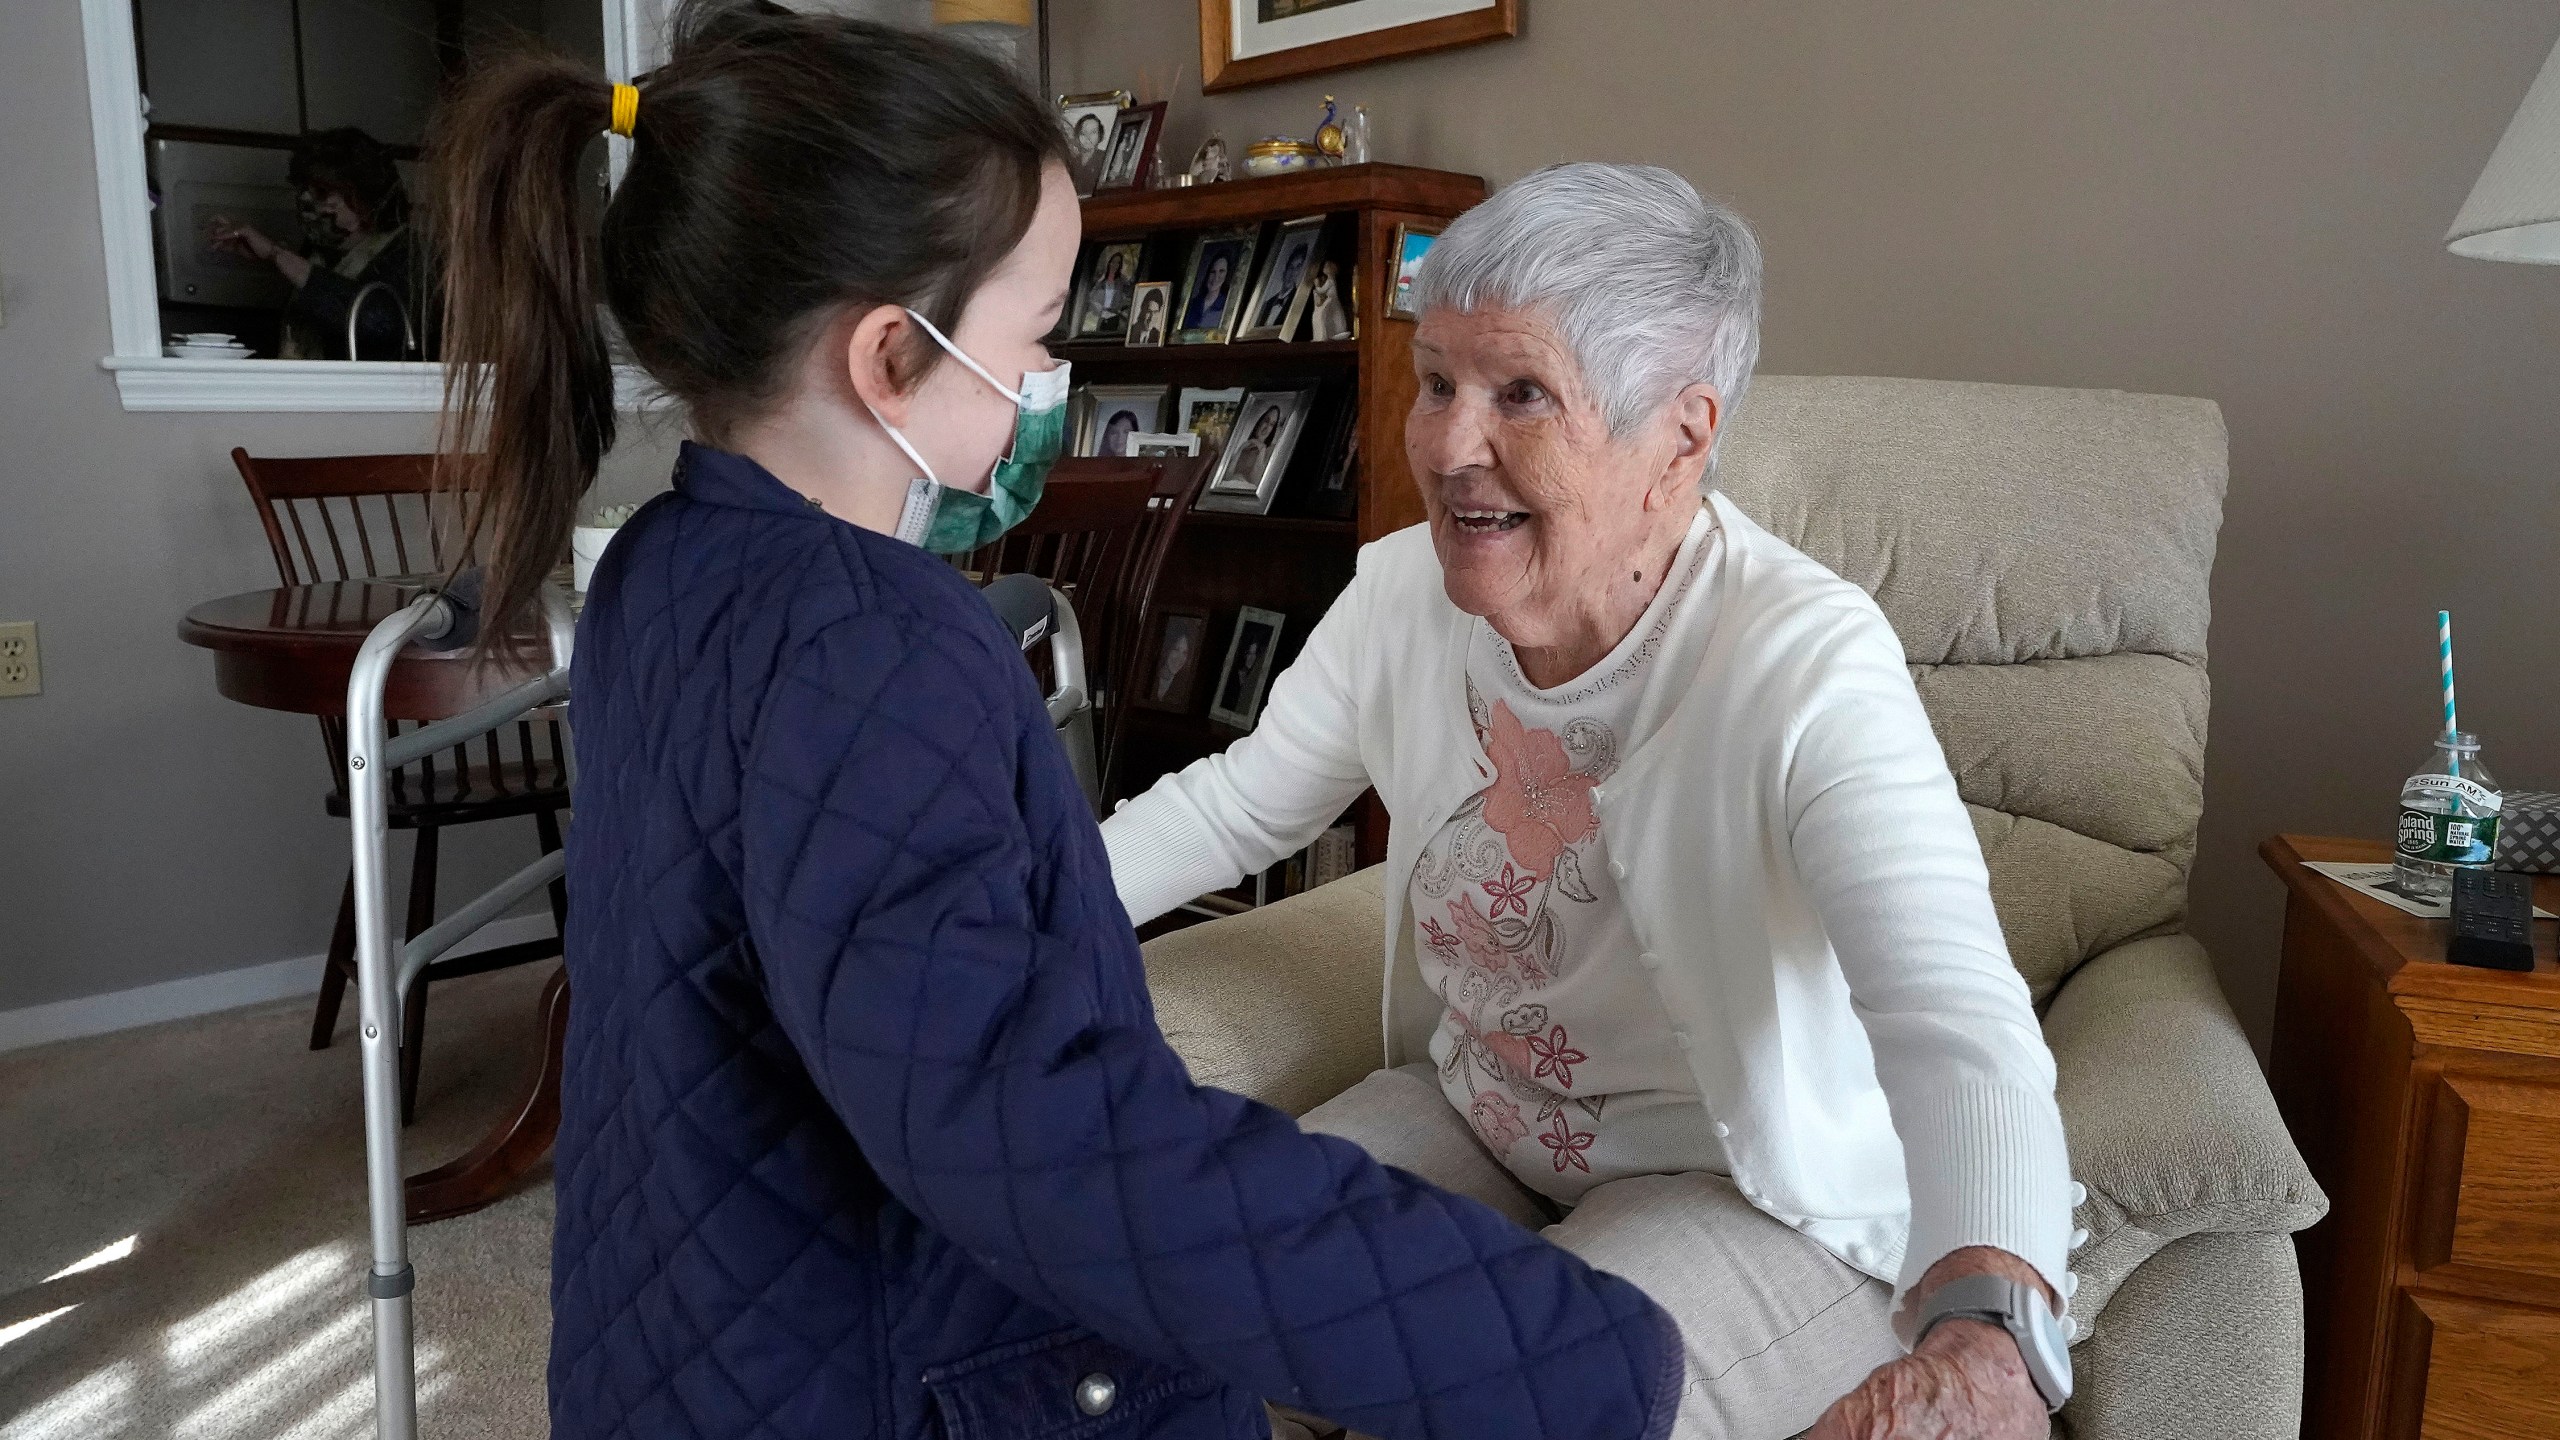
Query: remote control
pixel 2492 920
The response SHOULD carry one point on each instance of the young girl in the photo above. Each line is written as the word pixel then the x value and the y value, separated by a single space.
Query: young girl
pixel 867 1128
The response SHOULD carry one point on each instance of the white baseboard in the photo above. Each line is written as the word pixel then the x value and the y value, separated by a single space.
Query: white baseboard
pixel 205 994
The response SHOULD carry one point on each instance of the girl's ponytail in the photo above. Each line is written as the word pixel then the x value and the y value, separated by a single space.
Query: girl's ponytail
pixel 528 380
pixel 784 166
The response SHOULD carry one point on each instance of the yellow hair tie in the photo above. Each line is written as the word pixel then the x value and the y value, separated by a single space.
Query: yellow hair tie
pixel 626 109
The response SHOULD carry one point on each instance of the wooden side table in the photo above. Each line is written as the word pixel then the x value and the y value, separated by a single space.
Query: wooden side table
pixel 2426 1098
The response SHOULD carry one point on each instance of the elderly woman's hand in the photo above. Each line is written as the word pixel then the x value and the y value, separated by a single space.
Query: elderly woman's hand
pixel 1966 1381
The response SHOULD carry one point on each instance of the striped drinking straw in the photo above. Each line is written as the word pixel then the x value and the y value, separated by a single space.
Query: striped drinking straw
pixel 2444 654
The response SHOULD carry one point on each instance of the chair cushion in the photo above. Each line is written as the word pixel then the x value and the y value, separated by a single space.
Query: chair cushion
pixel 2172 1128
pixel 2044 555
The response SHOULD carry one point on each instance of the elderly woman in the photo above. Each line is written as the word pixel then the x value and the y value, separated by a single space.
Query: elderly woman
pixel 1691 959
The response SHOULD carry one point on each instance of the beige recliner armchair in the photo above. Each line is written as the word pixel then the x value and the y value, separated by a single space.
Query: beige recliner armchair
pixel 2044 555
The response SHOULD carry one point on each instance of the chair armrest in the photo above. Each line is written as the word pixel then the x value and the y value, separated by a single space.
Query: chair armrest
pixel 2171 1125
pixel 1280 1003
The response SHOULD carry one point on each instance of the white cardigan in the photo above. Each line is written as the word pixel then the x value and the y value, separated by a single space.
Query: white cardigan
pixel 1794 858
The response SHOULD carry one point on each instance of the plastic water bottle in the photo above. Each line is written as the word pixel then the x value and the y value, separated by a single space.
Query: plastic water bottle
pixel 2448 819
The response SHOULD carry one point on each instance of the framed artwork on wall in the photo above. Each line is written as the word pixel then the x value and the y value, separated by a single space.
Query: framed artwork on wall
pixel 1254 42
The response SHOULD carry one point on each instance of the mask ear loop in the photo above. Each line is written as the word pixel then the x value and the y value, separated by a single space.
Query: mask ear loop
pixel 1021 398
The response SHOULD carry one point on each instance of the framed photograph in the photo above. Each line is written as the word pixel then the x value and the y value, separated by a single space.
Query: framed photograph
pixel 1337 495
pixel 1090 121
pixel 1208 414
pixel 1331 302
pixel 1249 471
pixel 1159 446
pixel 1116 412
pixel 1221 266
pixel 1133 147
pixel 1286 277
pixel 1246 676
pixel 1104 290
pixel 1171 679
pixel 1151 314
pixel 1254 42
pixel 1411 245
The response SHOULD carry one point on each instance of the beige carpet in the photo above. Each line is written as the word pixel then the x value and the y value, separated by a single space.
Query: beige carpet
pixel 233 1159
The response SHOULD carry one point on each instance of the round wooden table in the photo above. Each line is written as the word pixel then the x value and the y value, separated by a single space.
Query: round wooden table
pixel 291 649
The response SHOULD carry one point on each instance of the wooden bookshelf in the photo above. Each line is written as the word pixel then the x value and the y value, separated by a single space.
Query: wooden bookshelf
pixel 1291 561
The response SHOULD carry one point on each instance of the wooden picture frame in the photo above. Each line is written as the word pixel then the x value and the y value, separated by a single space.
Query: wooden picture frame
pixel 1221 68
pixel 1253 653
pixel 1403 261
pixel 1169 682
pixel 1102 111
pixel 1146 123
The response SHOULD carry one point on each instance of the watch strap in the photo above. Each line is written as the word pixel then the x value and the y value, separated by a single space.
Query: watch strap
pixel 2018 1309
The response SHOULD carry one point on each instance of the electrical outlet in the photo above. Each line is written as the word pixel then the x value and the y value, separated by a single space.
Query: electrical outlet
pixel 19 672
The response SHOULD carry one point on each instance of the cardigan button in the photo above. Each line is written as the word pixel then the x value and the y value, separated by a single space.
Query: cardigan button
pixel 2070 1327
pixel 2079 1238
pixel 2070 1284
pixel 1617 870
pixel 1096 1394
pixel 1723 1131
pixel 1651 960
pixel 1681 1039
pixel 2079 1194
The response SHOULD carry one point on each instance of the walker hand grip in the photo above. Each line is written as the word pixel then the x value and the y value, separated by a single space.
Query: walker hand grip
pixel 458 602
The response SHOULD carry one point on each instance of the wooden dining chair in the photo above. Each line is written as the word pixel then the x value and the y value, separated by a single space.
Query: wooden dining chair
pixel 370 517
pixel 1100 535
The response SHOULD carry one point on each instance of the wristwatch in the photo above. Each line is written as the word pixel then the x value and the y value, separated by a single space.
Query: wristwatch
pixel 2018 1309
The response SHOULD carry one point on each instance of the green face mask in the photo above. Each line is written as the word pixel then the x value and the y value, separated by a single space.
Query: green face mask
pixel 948 521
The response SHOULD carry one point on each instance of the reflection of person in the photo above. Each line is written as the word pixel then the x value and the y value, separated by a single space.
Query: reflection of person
pixel 1240 680
pixel 1827 961
pixel 1256 451
pixel 1110 299
pixel 1209 302
pixel 1116 432
pixel 1180 640
pixel 1325 305
pixel 1148 329
pixel 894 1081
pixel 356 224
pixel 1275 304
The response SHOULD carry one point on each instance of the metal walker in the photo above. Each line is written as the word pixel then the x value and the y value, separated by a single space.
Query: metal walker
pixel 445 620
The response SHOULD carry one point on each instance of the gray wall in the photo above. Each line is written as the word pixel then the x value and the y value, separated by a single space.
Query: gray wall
pixel 149 829
pixel 2238 201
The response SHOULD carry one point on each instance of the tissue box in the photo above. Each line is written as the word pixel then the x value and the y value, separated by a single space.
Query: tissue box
pixel 2529 832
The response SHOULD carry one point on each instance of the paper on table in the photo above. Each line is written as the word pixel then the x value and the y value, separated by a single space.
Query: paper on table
pixel 2375 880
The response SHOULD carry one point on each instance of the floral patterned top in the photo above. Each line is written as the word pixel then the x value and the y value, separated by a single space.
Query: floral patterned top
pixel 1555 1045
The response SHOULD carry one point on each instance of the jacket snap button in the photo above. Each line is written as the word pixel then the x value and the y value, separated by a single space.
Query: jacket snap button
pixel 2079 1238
pixel 1723 1130
pixel 1094 1394
pixel 1617 870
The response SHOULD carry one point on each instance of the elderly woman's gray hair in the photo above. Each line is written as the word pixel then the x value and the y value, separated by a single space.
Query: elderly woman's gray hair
pixel 1651 285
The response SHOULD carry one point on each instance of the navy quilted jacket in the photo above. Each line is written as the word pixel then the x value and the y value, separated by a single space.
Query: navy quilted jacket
pixel 867 1128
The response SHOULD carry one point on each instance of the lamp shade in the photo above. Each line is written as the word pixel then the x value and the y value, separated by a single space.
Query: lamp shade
pixel 982 12
pixel 2514 212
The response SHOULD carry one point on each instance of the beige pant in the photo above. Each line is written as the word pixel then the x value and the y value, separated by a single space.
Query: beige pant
pixel 1776 1327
